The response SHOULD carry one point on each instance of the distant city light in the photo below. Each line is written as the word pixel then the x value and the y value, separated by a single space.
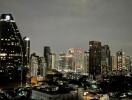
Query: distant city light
pixel 27 39
pixel 3 54
pixel 7 17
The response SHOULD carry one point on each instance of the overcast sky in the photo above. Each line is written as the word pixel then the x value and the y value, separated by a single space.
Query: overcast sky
pixel 62 24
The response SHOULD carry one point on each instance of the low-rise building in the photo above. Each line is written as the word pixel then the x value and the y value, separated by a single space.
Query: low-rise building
pixel 53 93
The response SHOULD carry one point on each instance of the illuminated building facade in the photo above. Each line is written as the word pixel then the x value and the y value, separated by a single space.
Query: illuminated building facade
pixel 53 61
pixel 26 51
pixel 78 59
pixel 66 62
pixel 119 56
pixel 94 58
pixel 114 63
pixel 42 67
pixel 12 50
pixel 123 62
pixel 34 68
pixel 37 67
pixel 74 60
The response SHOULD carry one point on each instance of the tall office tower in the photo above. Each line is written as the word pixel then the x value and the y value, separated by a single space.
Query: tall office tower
pixel 119 56
pixel 121 62
pixel 34 65
pixel 128 64
pixel 105 60
pixel 86 62
pixel 27 51
pixel 124 62
pixel 78 59
pixel 11 50
pixel 94 58
pixel 114 63
pixel 42 67
pixel 66 62
pixel 47 53
pixel 53 61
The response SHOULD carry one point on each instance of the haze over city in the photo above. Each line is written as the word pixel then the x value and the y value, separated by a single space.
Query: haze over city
pixel 62 24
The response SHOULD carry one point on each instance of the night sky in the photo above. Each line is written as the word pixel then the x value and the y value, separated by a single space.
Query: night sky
pixel 63 24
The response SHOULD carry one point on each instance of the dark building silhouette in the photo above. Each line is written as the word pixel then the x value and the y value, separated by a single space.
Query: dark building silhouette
pixel 105 60
pixel 47 53
pixel 12 50
pixel 94 58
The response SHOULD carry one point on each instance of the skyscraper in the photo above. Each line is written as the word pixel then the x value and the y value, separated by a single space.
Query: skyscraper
pixel 47 54
pixel 119 56
pixel 34 70
pixel 66 62
pixel 42 66
pixel 53 61
pixel 86 62
pixel 78 59
pixel 128 64
pixel 122 62
pixel 94 58
pixel 26 51
pixel 11 49
pixel 114 63
pixel 105 60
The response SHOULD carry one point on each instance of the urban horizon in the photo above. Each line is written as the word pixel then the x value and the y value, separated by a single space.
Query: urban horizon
pixel 65 50
pixel 66 24
pixel 85 70
pixel 113 52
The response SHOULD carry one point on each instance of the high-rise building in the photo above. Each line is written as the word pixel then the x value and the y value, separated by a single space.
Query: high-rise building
pixel 86 62
pixel 34 68
pixel 47 53
pixel 53 61
pixel 11 50
pixel 42 67
pixel 123 62
pixel 105 60
pixel 128 64
pixel 66 62
pixel 78 59
pixel 94 58
pixel 27 51
pixel 119 56
pixel 114 63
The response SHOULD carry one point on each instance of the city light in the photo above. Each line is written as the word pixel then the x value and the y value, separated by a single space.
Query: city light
pixel 27 39
pixel 7 17
pixel 3 54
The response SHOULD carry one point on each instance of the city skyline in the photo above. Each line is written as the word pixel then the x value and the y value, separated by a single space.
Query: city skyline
pixel 63 24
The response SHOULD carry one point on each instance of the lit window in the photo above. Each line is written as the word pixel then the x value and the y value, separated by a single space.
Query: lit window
pixel 1 70
pixel 12 43
pixel 3 54
pixel 13 38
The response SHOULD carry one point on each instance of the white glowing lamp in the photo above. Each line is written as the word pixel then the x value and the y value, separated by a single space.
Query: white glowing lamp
pixel 27 39
pixel 7 17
